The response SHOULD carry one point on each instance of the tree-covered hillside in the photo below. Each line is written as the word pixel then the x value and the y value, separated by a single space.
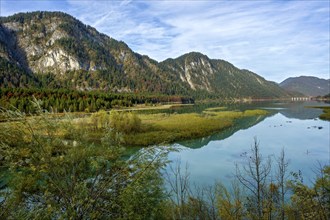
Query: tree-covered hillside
pixel 307 85
pixel 55 50
pixel 221 77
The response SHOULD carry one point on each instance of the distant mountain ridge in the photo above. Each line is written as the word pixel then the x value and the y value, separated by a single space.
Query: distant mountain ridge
pixel 307 85
pixel 55 50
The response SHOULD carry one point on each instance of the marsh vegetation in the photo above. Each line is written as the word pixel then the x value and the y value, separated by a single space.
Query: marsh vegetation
pixel 76 168
pixel 161 128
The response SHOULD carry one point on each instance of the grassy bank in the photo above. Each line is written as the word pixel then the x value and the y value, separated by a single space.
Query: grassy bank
pixel 168 128
pixel 139 129
pixel 326 113
pixel 144 107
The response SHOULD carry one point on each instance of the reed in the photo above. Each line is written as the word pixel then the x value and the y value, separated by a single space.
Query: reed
pixel 168 128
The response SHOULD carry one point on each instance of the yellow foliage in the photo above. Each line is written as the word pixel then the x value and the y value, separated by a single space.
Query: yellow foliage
pixel 167 128
pixel 255 112
pixel 126 122
pixel 25 152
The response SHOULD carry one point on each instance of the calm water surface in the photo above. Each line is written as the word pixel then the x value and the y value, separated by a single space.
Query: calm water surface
pixel 292 126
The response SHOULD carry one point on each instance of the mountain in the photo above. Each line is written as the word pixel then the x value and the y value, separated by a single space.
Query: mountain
pixel 220 77
pixel 61 51
pixel 55 50
pixel 307 85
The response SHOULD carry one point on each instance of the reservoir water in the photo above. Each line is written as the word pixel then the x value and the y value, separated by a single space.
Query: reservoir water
pixel 291 126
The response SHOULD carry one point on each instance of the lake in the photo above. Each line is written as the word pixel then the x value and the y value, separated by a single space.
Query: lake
pixel 290 125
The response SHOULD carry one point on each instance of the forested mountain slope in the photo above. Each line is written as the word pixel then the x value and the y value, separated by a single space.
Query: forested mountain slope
pixel 220 77
pixel 307 85
pixel 55 50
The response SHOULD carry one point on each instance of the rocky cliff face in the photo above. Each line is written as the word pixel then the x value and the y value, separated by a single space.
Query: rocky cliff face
pixel 56 43
pixel 60 51
pixel 50 42
pixel 220 77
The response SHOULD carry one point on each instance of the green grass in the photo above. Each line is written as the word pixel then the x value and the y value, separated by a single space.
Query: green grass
pixel 255 112
pixel 326 113
pixel 163 128
pixel 168 128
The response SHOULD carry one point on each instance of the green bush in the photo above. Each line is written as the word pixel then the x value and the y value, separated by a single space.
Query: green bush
pixel 125 122
pixel 100 119
pixel 49 170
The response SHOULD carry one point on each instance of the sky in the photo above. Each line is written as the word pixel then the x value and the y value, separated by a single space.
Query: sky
pixel 275 39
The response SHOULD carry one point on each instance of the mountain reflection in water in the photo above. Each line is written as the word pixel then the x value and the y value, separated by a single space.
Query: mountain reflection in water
pixel 291 126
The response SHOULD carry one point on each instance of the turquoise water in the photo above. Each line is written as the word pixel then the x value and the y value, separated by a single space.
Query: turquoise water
pixel 304 137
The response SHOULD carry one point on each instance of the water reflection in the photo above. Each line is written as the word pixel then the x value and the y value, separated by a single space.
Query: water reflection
pixel 291 126
pixel 291 110
pixel 240 124
pixel 301 110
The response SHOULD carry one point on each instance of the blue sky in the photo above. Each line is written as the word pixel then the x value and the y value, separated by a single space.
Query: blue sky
pixel 275 39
